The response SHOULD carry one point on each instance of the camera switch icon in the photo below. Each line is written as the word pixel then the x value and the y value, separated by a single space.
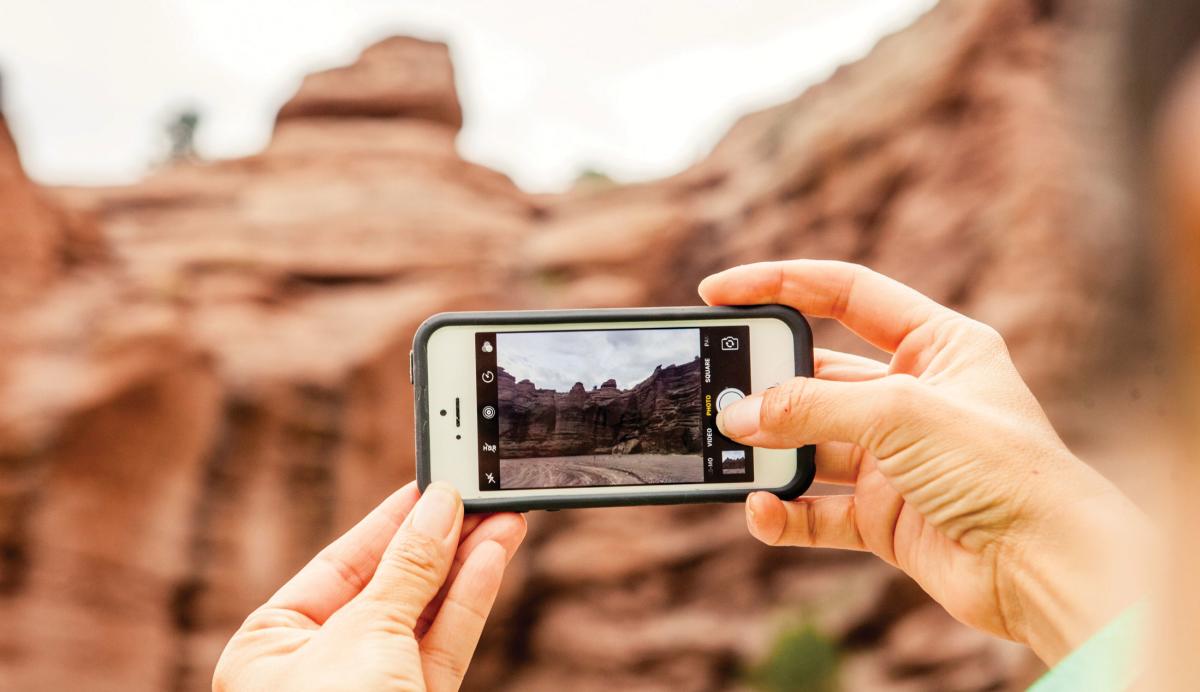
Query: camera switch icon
pixel 729 343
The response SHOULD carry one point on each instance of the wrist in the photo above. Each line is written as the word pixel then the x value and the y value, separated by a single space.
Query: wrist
pixel 1083 564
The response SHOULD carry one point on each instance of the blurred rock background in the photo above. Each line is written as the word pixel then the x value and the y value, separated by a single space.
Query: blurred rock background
pixel 204 376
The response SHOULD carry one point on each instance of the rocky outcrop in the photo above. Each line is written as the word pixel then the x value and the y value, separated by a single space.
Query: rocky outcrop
pixel 188 417
pixel 39 241
pixel 399 77
pixel 659 415
pixel 107 410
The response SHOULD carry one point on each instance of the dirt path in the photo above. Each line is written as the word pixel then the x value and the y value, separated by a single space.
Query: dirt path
pixel 601 469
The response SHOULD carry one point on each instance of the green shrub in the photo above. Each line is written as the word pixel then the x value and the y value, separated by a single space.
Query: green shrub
pixel 802 659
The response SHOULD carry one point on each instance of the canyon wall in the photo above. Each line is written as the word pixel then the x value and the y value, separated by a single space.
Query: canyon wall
pixel 659 415
pixel 203 377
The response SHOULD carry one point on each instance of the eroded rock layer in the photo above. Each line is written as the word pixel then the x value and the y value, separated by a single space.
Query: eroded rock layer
pixel 659 415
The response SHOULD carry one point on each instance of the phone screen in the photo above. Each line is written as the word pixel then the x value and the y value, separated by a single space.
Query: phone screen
pixel 609 407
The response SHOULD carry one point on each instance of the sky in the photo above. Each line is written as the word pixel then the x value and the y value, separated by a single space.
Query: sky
pixel 631 88
pixel 557 360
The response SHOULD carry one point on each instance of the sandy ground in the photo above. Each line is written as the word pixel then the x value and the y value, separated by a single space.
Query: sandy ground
pixel 601 469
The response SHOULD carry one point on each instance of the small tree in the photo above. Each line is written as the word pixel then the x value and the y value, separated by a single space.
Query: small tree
pixel 181 132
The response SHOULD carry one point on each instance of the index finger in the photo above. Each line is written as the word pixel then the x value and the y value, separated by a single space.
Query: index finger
pixel 881 310
pixel 340 571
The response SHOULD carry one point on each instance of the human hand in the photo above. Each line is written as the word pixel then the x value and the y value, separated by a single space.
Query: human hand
pixel 397 603
pixel 958 477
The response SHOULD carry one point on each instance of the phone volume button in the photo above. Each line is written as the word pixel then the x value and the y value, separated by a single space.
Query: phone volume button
pixel 411 376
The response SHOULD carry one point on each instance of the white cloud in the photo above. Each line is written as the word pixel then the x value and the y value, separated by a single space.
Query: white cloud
pixel 633 88
pixel 557 360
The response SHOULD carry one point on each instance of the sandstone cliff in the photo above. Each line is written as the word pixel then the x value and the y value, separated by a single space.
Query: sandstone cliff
pixel 659 415
pixel 222 386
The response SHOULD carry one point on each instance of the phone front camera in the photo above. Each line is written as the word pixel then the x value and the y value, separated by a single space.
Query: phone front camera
pixel 443 412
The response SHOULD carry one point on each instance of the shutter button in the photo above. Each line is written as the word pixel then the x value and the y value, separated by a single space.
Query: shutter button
pixel 729 396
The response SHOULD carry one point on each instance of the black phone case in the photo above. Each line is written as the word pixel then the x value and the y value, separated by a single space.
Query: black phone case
pixel 805 466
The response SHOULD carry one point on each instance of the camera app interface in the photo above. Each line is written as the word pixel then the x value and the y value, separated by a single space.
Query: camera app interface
pixel 612 407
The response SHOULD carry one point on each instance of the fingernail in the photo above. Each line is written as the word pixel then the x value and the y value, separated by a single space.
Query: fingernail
pixel 740 419
pixel 436 511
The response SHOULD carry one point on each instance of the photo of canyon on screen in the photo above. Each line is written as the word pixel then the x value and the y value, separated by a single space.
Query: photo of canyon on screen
pixel 609 407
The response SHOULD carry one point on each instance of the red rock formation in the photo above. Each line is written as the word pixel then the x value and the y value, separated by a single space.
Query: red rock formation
pixel 395 78
pixel 659 415
pixel 106 411
pixel 39 241
pixel 184 424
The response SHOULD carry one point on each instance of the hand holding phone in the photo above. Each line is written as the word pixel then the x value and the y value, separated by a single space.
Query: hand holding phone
pixel 549 410
pixel 950 468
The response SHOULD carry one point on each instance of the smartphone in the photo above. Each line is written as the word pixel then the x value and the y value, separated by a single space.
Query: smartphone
pixel 593 408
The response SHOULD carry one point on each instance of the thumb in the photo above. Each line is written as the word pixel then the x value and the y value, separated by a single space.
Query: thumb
pixel 880 415
pixel 418 558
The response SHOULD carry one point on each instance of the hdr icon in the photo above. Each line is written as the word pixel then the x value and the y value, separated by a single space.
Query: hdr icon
pixel 489 448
